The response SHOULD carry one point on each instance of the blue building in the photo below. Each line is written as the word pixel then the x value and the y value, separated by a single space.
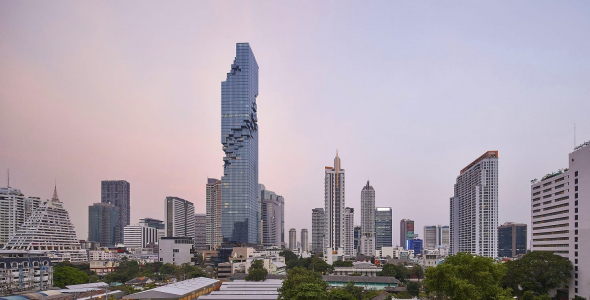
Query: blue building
pixel 417 245
pixel 240 211
pixel 103 221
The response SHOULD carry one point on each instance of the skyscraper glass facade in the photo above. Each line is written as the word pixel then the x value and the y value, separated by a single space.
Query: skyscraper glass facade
pixel 240 210
pixel 383 227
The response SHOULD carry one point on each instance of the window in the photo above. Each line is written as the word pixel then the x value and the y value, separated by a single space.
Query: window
pixel 175 250
pixel 576 173
pixel 576 181
pixel 576 231
pixel 576 246
pixel 576 224
pixel 576 195
pixel 576 217
pixel 576 188
pixel 576 239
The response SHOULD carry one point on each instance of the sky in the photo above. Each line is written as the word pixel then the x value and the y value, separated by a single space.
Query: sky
pixel 409 93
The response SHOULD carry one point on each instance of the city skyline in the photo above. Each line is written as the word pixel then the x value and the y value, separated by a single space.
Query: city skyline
pixel 170 99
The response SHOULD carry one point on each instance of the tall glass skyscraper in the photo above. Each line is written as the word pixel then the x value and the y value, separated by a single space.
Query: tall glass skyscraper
pixel 383 227
pixel 240 211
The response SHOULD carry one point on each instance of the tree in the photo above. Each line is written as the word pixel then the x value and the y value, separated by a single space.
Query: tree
pixel 341 294
pixel 399 271
pixel 66 275
pixel 256 272
pixel 288 255
pixel 403 295
pixel 579 298
pixel 538 272
pixel 168 269
pixel 464 276
pixel 388 270
pixel 301 283
pixel 413 288
pixel 417 272
pixel 339 263
pixel 354 290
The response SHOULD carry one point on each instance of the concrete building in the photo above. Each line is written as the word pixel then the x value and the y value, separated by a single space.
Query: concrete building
pixel 362 268
pixel 334 205
pixel 560 217
pixel 213 211
pixel 154 223
pixel 317 230
pixel 436 236
pixel 201 232
pixel 118 193
pixel 15 208
pixel 406 232
pixel 49 230
pixel 272 218
pixel 383 227
pixel 180 217
pixel 417 245
pixel 474 208
pixel 103 219
pixel 24 271
pixel 292 239
pixel 139 236
pixel 357 238
pixel 512 239
pixel 240 213
pixel 367 243
pixel 245 290
pixel 176 250
pixel 304 240
pixel 349 232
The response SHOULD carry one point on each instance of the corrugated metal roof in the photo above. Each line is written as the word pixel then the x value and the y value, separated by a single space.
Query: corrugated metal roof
pixel 175 290
pixel 88 285
pixel 240 289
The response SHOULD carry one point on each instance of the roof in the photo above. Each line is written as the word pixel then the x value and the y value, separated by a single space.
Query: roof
pixel 88 285
pixel 175 290
pixel 139 280
pixel 242 276
pixel 240 289
pixel 39 295
pixel 396 289
pixel 279 264
pixel 378 279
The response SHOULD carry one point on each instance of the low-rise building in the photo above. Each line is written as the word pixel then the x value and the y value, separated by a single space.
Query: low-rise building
pixel 370 283
pixel 104 267
pixel 176 250
pixel 359 269
pixel 183 290
pixel 25 271
pixel 241 289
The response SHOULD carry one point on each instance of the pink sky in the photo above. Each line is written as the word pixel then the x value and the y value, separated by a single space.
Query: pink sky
pixel 408 93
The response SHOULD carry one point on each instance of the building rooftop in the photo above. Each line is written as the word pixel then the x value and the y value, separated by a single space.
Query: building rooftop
pixel 355 279
pixel 240 289
pixel 175 290
pixel 489 154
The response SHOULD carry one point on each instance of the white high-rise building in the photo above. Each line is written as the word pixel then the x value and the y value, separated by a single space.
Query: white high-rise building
pixel 334 204
pixel 474 208
pixel 213 209
pixel 49 230
pixel 180 217
pixel 367 240
pixel 560 217
pixel 304 240
pixel 349 232
pixel 436 236
pixel 140 235
pixel 15 209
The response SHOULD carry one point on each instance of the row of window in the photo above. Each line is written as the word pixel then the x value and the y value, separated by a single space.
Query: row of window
pixel 551 214
pixel 552 220
pixel 552 239
pixel 552 232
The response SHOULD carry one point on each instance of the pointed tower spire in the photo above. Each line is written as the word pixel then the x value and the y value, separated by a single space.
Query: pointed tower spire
pixel 55 198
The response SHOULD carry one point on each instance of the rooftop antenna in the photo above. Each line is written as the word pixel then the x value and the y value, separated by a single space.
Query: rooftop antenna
pixel 7 177
pixel 575 135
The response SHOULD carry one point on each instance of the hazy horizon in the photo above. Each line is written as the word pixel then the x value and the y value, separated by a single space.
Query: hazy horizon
pixel 408 93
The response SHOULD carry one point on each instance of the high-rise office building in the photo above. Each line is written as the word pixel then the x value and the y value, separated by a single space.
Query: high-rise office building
pixel 406 232
pixel 213 210
pixel 383 227
pixel 49 230
pixel 318 224
pixel 140 235
pixel 15 209
pixel 436 236
pixel 272 217
pixel 118 193
pixel 304 240
pixel 103 219
pixel 367 246
pixel 349 232
pixel 200 238
pixel 292 239
pixel 180 217
pixel 560 217
pixel 334 204
pixel 357 238
pixel 474 208
pixel 512 239
pixel 240 213
pixel 416 244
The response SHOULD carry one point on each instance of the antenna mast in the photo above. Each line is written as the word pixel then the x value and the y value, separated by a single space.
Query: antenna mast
pixel 7 177
pixel 575 135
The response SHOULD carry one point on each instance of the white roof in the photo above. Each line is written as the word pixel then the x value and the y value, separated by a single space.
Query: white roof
pixel 88 285
pixel 175 289
pixel 279 264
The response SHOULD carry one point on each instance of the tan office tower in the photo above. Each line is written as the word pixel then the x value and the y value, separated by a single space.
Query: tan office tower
pixel 213 212
pixel 304 240
pixel 292 239
pixel 334 205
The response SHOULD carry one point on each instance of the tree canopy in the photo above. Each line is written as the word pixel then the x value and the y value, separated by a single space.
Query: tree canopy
pixel 399 271
pixel 66 275
pixel 302 283
pixel 537 272
pixel 256 272
pixel 464 277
